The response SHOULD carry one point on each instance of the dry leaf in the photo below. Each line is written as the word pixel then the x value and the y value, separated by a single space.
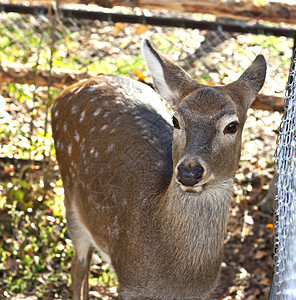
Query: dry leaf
pixel 118 27
pixel 260 2
pixel 141 29
pixel 265 281
pixel 140 75
pixel 259 254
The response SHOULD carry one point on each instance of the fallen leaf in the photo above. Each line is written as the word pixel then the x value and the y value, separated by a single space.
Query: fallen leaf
pixel 140 75
pixel 118 27
pixel 141 29
pixel 259 254
pixel 265 281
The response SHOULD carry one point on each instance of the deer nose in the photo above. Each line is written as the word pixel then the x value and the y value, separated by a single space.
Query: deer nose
pixel 189 176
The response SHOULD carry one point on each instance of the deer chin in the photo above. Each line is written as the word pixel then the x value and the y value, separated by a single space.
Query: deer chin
pixel 192 189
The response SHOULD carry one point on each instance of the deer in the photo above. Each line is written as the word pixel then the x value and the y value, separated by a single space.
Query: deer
pixel 148 183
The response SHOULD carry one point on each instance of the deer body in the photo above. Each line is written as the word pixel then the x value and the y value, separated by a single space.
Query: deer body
pixel 152 199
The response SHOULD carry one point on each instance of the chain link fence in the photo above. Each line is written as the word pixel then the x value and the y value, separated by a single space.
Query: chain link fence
pixel 285 210
pixel 41 53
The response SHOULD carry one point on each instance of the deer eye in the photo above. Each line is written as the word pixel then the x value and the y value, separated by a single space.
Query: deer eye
pixel 231 128
pixel 176 123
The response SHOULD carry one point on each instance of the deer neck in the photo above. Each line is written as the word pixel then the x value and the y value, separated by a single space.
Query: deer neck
pixel 197 221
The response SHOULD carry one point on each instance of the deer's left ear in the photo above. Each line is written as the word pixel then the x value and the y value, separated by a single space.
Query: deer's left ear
pixel 251 81
pixel 170 81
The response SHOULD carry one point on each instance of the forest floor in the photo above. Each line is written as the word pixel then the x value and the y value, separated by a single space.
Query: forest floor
pixel 35 248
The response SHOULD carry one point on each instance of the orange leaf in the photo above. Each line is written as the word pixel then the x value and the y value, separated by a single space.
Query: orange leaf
pixel 118 27
pixel 141 29
pixel 140 75
pixel 269 226
pixel 210 83
pixel 30 251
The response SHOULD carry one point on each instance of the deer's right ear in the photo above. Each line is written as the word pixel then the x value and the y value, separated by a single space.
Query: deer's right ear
pixel 169 80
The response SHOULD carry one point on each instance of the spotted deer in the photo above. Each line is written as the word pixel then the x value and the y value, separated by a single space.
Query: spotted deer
pixel 147 188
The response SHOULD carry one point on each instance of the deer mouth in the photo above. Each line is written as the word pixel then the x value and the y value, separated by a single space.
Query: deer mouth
pixel 192 189
pixel 198 187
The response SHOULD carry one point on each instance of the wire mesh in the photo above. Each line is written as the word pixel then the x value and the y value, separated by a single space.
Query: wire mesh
pixel 40 54
pixel 285 210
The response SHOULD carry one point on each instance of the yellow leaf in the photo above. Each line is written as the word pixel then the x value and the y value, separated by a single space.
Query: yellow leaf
pixel 56 211
pixel 68 43
pixel 260 2
pixel 59 182
pixel 245 231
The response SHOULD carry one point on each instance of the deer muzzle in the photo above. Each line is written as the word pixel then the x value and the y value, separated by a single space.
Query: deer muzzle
pixel 189 176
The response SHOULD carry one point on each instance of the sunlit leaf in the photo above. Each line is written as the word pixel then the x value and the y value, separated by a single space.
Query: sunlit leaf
pixel 19 195
pixel 141 29
pixel 140 75
pixel 24 184
pixel 118 27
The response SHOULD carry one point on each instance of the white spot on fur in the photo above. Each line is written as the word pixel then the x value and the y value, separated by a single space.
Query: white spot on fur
pixel 92 130
pixel 73 90
pixel 76 136
pixel 160 164
pixel 110 147
pixel 65 127
pixel 82 116
pixel 70 149
pixel 56 113
pixel 92 150
pixel 104 127
pixel 97 111
pixel 74 109
pixel 93 99
pixel 116 227
pixel 93 87
pixel 81 88
pixel 112 130
pixel 106 114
